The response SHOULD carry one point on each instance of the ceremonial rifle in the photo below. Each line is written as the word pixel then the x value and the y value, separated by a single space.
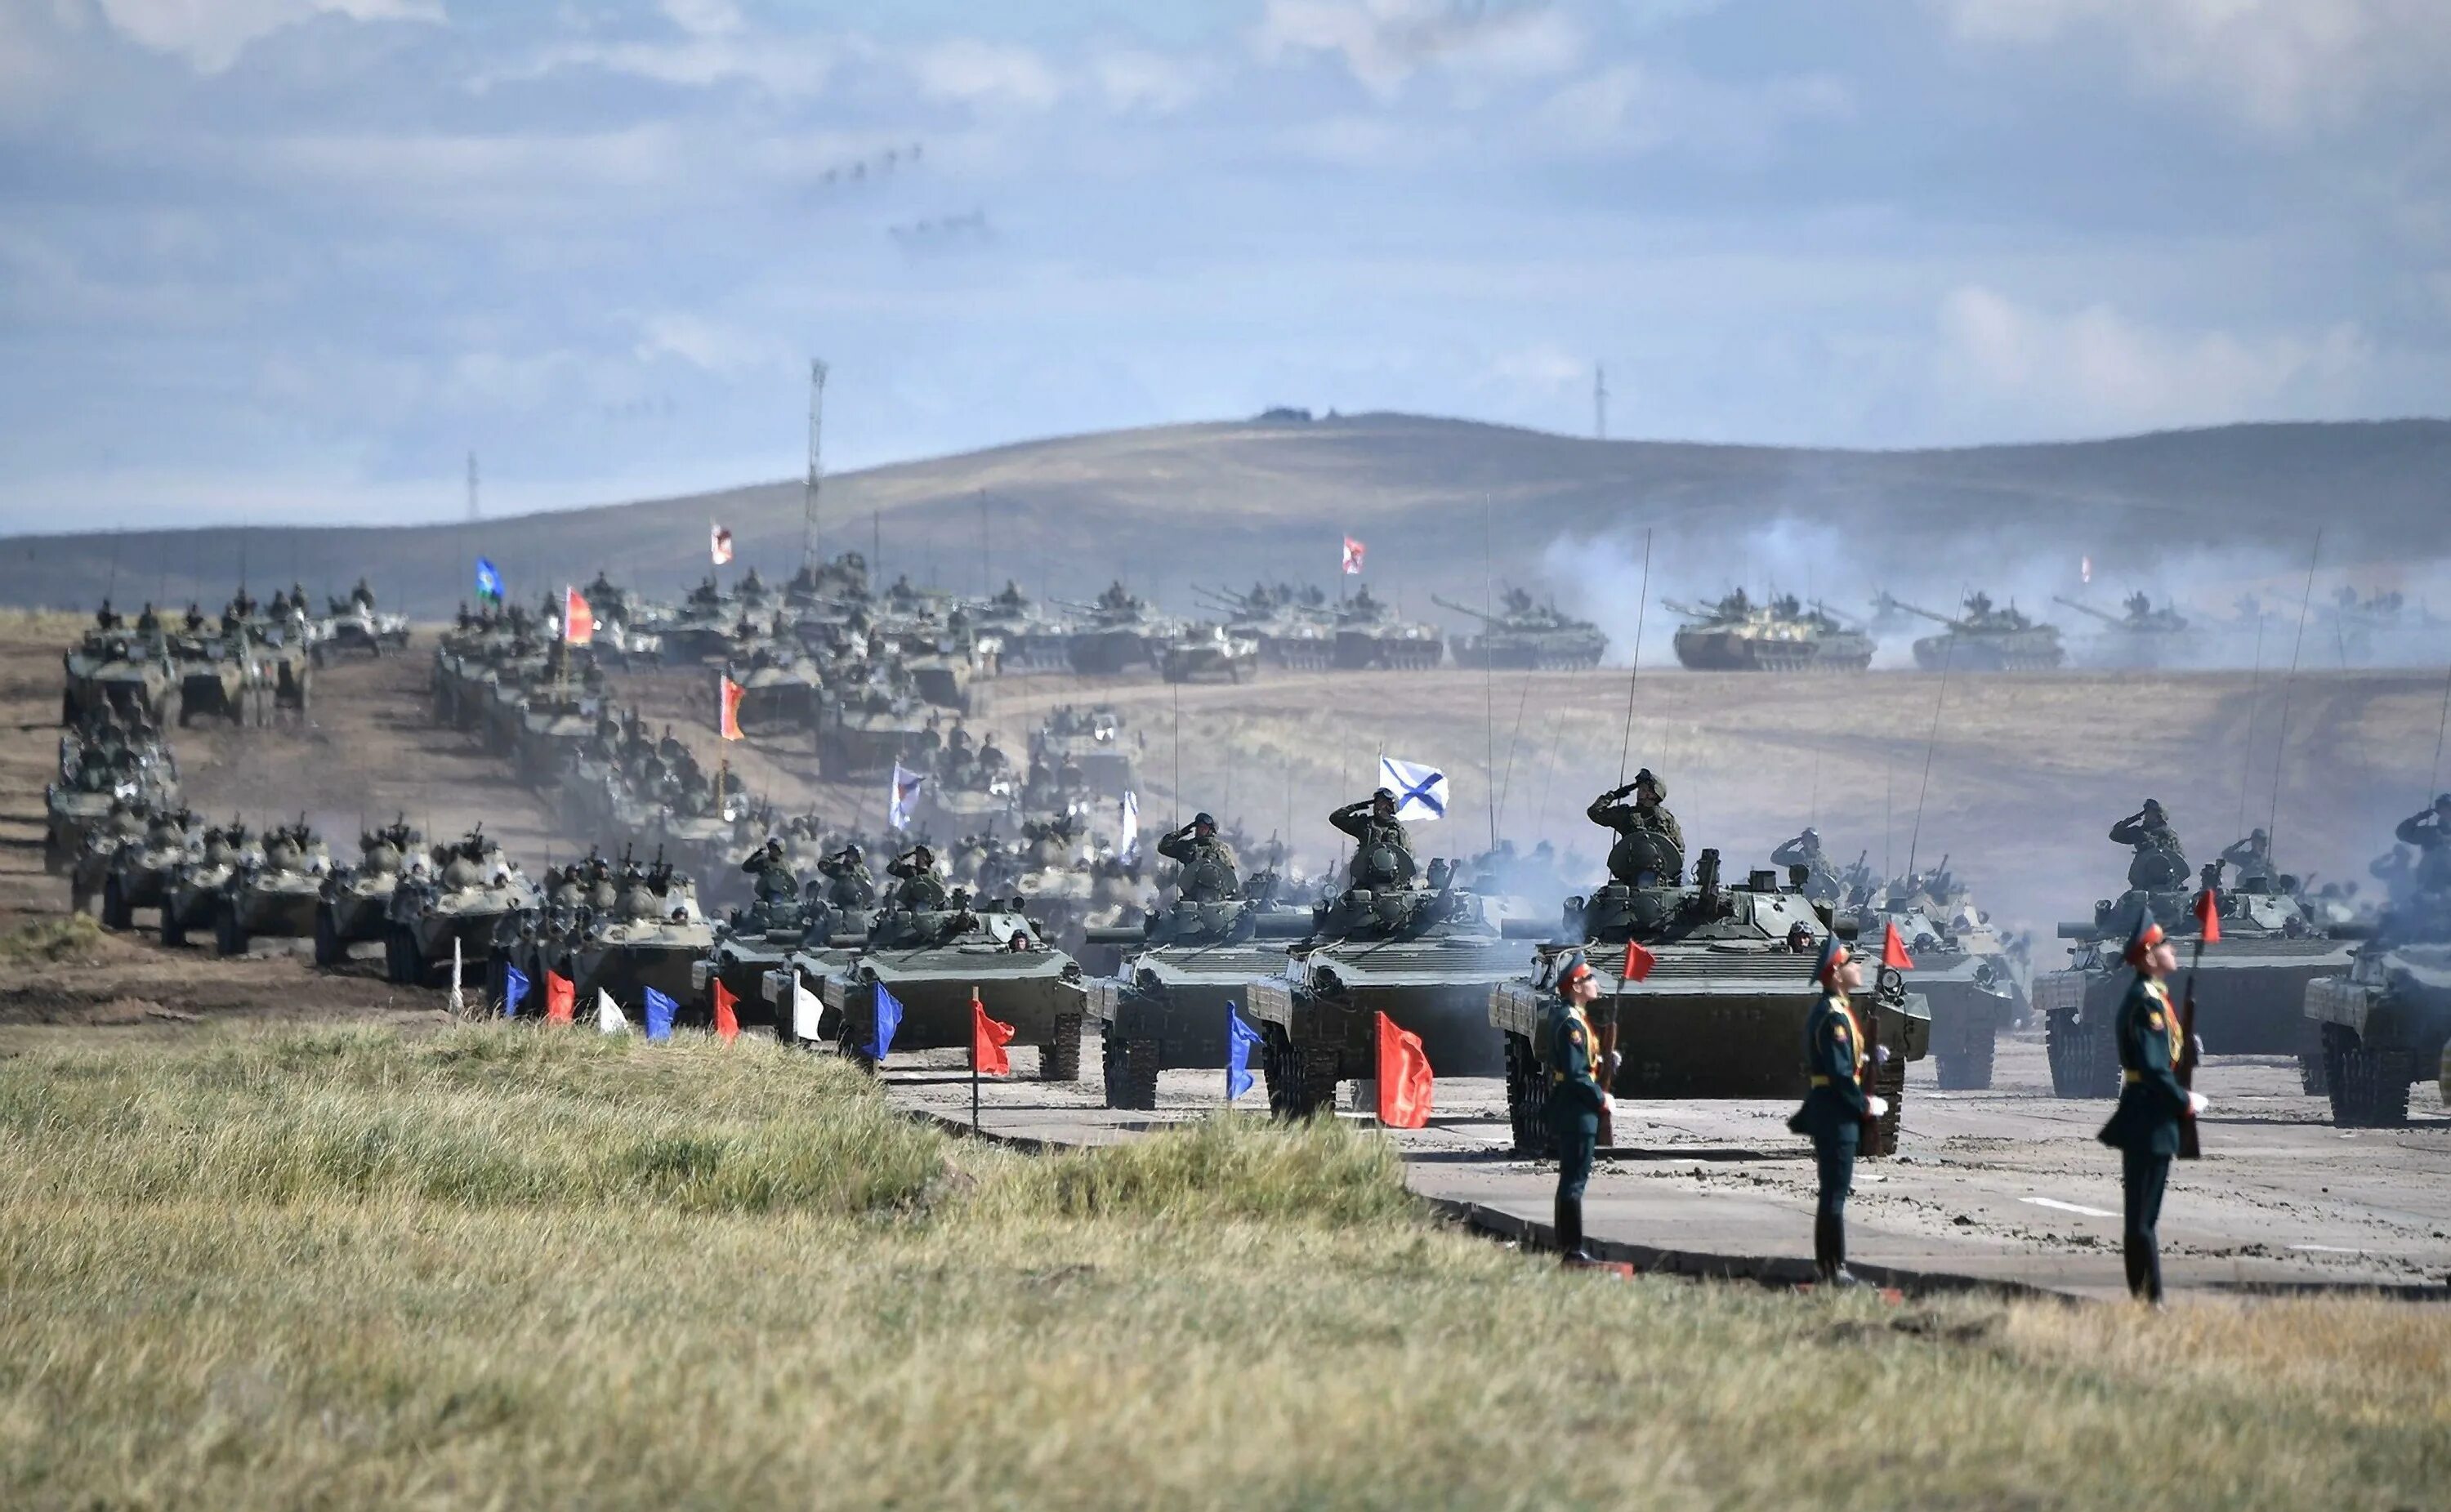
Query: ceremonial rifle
pixel 2208 922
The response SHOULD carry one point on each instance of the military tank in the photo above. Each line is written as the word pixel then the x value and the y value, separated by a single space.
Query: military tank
pixel 1164 1009
pixel 933 960
pixel 1427 956
pixel 460 893
pixel 702 628
pixel 1027 639
pixel 192 895
pixel 140 870
pixel 355 625
pixel 1118 632
pixel 1211 652
pixel 1370 637
pixel 1294 627
pixel 1987 639
pixel 127 672
pixel 354 906
pixel 1528 637
pixel 275 893
pixel 2250 990
pixel 1720 1013
pixel 556 722
pixel 1734 633
pixel 652 937
pixel 778 686
pixel 1962 977
pixel 2385 1022
pixel 2143 636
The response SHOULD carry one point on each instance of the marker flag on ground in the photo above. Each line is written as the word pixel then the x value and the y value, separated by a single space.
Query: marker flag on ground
pixel 2208 914
pixel 659 1015
pixel 1893 948
pixel 1240 1037
pixel 1127 846
pixel 728 694
pixel 988 1040
pixel 560 998
pixel 1353 552
pixel 609 1019
pixel 1421 791
pixel 515 988
pixel 889 1020
pixel 458 1003
pixel 489 580
pixel 727 1023
pixel 808 1008
pixel 1403 1077
pixel 1638 962
pixel 718 543
pixel 904 797
pixel 578 618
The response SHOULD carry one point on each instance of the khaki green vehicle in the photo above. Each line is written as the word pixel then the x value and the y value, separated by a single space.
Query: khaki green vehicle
pixel 139 872
pixel 933 960
pixel 274 895
pixel 354 906
pixel 127 672
pixel 193 896
pixel 460 894
pixel 2385 1022
pixel 98 849
pixel 1165 1007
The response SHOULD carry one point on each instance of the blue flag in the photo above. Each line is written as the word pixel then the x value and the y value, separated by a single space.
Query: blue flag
pixel 889 1018
pixel 514 987
pixel 1240 1037
pixel 659 1015
pixel 489 579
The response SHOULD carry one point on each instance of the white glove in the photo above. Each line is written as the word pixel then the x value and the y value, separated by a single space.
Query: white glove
pixel 2196 1104
pixel 1877 1106
pixel 1608 1106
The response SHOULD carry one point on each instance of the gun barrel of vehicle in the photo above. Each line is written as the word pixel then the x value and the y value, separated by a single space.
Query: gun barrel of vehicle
pixel 1917 609
pixel 2087 609
pixel 2068 930
pixel 1464 609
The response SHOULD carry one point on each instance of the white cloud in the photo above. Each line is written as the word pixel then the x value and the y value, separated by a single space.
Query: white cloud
pixel 211 34
pixel 2096 369
pixel 704 18
pixel 726 351
pixel 1152 82
pixel 1633 108
pixel 1382 43
pixel 1545 365
pixel 966 71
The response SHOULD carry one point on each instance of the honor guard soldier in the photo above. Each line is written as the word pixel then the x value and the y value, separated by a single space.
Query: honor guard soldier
pixel 1208 862
pixel 1382 852
pixel 1577 1100
pixel 2152 1105
pixel 1835 1103
pixel 1649 849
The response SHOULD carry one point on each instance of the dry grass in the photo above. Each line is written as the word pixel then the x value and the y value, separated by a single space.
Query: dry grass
pixel 503 1268
pixel 71 938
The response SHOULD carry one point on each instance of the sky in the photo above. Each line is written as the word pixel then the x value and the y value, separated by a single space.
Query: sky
pixel 276 260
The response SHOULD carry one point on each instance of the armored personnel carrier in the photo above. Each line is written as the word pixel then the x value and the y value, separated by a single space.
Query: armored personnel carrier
pixel 757 939
pixel 933 960
pixel 652 937
pixel 1425 957
pixel 1736 635
pixel 1720 1013
pixel 355 903
pixel 1089 742
pixel 276 894
pixel 866 731
pixel 88 868
pixel 1117 633
pixel 2143 638
pixel 1165 1007
pixel 778 685
pixel 127 672
pixel 2250 990
pixel 461 894
pixel 703 627
pixel 73 811
pixel 1370 637
pixel 1294 627
pixel 1987 639
pixel 1027 639
pixel 556 722
pixel 817 957
pixel 237 677
pixel 192 895
pixel 1209 653
pixel 355 625
pixel 2385 1022
pixel 1528 637
pixel 1964 979
pixel 139 872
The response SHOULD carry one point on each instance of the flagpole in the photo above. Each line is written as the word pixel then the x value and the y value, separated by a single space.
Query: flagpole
pixel 975 1059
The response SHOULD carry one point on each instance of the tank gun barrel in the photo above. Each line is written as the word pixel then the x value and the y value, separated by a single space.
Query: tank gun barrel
pixel 1689 611
pixel 1449 603
pixel 1917 609
pixel 2087 609
pixel 1824 606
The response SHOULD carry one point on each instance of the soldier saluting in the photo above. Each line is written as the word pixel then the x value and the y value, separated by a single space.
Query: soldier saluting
pixel 1208 863
pixel 2146 1127
pixel 2252 857
pixel 1835 1103
pixel 849 884
pixel 1649 849
pixel 1820 881
pixel 2429 829
pixel 921 890
pixel 1382 852
pixel 2160 863
pixel 773 869
pixel 1576 1099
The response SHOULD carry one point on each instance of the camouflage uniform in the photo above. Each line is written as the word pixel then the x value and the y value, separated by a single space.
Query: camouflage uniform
pixel 1382 852
pixel 2160 863
pixel 1648 837
pixel 2430 831
pixel 1208 865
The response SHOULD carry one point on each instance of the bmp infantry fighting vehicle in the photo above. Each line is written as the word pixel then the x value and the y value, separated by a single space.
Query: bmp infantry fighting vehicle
pixel 932 960
pixel 652 937
pixel 2143 636
pixel 1088 743
pixel 1720 1012
pixel 126 671
pixel 462 893
pixel 274 893
pixel 1368 635
pixel 1031 642
pixel 1736 635
pixel 2250 990
pixel 192 898
pixel 1987 639
pixel 239 678
pixel 1165 1007
pixel 1119 632
pixel 760 936
pixel 1294 627
pixel 356 902
pixel 1961 975
pixel 2387 1022
pixel 141 871
pixel 867 730
pixel 356 624
pixel 1209 653
pixel 1529 636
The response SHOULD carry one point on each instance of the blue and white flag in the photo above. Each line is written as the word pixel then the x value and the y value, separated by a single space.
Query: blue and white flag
pixel 1240 1037
pixel 515 988
pixel 889 1018
pixel 1127 841
pixel 904 798
pixel 489 579
pixel 659 1015
pixel 1420 792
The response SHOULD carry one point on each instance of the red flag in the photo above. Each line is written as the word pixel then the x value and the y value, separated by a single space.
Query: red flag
pixel 577 620
pixel 1403 1077
pixel 730 693
pixel 1353 550
pixel 1894 948
pixel 988 1040
pixel 727 1024
pixel 718 543
pixel 2208 916
pixel 1638 962
pixel 560 997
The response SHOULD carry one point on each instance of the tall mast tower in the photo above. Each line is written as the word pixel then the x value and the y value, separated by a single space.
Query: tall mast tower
pixel 816 465
pixel 1599 403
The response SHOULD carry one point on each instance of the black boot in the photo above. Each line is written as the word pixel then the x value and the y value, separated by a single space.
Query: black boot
pixel 2154 1275
pixel 1829 1251
pixel 1570 1232
pixel 2131 1253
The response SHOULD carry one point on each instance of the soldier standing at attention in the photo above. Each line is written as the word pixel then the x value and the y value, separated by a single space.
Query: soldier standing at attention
pixel 1382 852
pixel 1577 1100
pixel 1650 848
pixel 1208 863
pixel 2160 863
pixel 1835 1103
pixel 2144 1128
pixel 2429 829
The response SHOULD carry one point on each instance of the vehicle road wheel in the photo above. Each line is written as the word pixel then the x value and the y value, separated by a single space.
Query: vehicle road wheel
pixel 115 911
pixel 229 938
pixel 329 950
pixel 1060 1059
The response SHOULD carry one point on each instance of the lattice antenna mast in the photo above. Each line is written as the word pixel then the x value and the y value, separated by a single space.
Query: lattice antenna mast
pixel 472 485
pixel 1599 403
pixel 816 464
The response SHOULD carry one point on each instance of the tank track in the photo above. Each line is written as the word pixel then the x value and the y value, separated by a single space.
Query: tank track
pixel 1130 1067
pixel 1302 1079
pixel 2368 1087
pixel 1527 1100
pixel 2085 1062
pixel 1059 1059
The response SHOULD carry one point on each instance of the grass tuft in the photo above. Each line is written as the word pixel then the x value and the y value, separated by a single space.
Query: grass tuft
pixel 74 937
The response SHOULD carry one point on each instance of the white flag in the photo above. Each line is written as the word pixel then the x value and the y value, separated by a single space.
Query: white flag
pixel 806 1006
pixel 1421 791
pixel 1127 844
pixel 718 544
pixel 899 803
pixel 608 1014
pixel 458 1003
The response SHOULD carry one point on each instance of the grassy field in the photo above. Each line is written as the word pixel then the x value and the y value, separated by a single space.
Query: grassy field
pixel 347 1268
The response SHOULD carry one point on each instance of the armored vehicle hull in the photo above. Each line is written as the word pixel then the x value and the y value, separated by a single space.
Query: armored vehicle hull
pixel 192 899
pixel 854 741
pixel 425 919
pixel 140 877
pixel 1220 659
pixel 1037 990
pixel 2384 1024
pixel 68 817
pixel 1969 990
pixel 1759 648
pixel 810 965
pixel 355 909
pixel 266 902
pixel 1165 1007
pixel 2036 650
pixel 130 677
